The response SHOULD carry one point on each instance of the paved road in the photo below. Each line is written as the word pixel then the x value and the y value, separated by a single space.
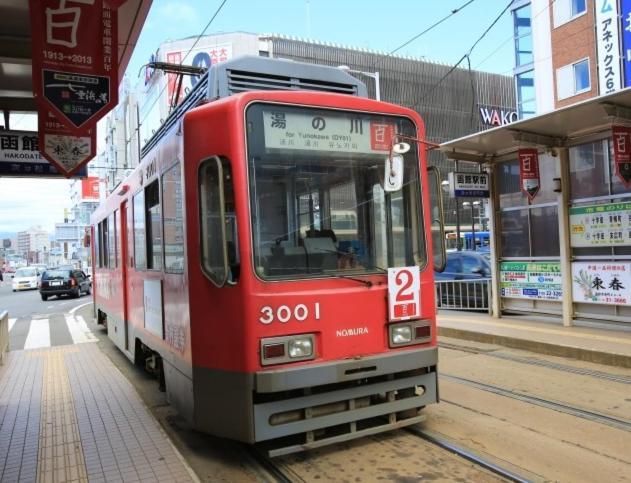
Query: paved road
pixel 34 323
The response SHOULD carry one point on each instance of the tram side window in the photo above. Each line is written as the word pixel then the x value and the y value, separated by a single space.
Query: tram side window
pixel 139 231
pixel 152 221
pixel 111 241
pixel 219 241
pixel 103 244
pixel 173 220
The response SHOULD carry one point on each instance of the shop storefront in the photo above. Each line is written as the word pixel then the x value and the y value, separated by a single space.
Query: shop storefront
pixel 566 249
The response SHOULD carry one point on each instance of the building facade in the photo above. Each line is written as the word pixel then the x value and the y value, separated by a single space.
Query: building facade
pixel 568 51
pixel 32 244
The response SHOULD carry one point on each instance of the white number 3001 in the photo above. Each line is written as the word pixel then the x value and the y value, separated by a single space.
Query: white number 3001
pixel 284 313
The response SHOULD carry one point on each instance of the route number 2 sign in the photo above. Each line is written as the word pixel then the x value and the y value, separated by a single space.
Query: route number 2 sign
pixel 404 288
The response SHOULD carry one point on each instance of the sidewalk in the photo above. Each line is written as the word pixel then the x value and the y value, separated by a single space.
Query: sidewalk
pixel 68 414
pixel 610 346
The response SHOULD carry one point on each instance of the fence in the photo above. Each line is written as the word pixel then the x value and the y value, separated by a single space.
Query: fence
pixel 471 294
pixel 4 334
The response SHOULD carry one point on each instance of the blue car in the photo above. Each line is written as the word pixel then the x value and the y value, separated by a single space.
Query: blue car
pixel 454 291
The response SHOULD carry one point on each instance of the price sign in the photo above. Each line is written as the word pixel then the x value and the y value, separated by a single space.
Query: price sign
pixel 404 291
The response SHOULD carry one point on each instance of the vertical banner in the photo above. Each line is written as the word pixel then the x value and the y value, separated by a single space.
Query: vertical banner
pixel 621 139
pixel 607 46
pixel 75 59
pixel 625 29
pixel 529 180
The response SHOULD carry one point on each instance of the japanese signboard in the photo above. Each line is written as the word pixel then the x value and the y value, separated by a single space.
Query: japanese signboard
pixel 75 59
pixel 525 280
pixel 90 188
pixel 601 283
pixel 600 225
pixel 404 290
pixel 469 185
pixel 625 29
pixel 199 57
pixel 20 156
pixel 621 140
pixel 67 149
pixel 607 46
pixel 320 132
pixel 529 172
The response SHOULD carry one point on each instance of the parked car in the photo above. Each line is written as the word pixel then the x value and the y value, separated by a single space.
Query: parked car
pixel 60 281
pixel 25 278
pixel 453 287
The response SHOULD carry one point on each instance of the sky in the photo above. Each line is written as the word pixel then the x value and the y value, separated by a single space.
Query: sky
pixel 376 25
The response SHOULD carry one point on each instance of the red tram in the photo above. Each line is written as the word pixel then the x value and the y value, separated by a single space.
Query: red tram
pixel 271 258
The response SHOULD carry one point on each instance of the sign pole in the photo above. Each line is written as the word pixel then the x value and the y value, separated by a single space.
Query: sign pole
pixel 458 242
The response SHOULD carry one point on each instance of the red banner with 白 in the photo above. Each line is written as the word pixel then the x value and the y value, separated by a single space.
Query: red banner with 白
pixel 621 140
pixel 529 179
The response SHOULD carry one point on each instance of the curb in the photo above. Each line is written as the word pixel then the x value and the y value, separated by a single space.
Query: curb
pixel 599 357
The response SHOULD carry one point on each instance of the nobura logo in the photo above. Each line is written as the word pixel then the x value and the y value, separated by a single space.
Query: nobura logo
pixel 350 332
pixel 495 116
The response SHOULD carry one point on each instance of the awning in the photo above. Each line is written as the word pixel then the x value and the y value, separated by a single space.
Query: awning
pixel 552 129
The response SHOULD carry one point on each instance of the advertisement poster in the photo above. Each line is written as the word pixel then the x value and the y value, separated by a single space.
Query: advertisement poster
pixel 600 225
pixel 531 280
pixel 529 180
pixel 602 283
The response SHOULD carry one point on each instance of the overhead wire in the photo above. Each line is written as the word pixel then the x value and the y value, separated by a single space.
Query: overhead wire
pixel 184 58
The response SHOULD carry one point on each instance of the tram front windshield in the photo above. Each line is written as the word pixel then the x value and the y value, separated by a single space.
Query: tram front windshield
pixel 318 203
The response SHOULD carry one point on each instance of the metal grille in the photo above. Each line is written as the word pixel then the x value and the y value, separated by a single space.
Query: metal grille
pixel 464 294
pixel 239 81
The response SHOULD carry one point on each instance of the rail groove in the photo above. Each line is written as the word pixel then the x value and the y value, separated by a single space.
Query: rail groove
pixel 466 454
pixel 541 363
pixel 555 406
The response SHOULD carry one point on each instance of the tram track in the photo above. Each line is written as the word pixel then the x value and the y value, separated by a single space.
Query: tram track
pixel 555 406
pixel 466 454
pixel 273 470
pixel 539 362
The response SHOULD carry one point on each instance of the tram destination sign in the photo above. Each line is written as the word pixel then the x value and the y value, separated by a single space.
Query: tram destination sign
pixel 601 282
pixel 20 157
pixel 468 185
pixel 531 280
pixel 326 133
pixel 600 225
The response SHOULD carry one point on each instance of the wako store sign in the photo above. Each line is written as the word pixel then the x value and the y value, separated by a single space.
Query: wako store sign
pixel 497 116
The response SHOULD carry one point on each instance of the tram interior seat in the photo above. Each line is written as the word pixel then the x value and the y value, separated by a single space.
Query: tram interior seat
pixel 321 253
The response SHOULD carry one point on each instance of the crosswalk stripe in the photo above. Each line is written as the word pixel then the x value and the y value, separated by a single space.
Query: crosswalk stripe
pixel 79 329
pixel 38 334
pixel 12 323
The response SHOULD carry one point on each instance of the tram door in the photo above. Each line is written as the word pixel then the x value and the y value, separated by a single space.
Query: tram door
pixel 126 230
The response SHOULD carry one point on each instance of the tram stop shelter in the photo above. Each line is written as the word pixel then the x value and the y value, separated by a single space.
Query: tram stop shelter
pixel 566 252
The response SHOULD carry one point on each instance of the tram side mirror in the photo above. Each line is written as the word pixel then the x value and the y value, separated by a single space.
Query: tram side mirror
pixel 393 174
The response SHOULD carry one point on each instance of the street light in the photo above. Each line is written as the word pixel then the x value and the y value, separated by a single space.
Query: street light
pixel 373 75
pixel 473 205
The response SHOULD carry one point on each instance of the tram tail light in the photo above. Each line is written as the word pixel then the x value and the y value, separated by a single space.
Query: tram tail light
pixel 292 348
pixel 408 333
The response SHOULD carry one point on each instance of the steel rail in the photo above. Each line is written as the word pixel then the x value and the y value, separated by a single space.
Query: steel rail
pixel 563 408
pixel 274 470
pixel 541 363
pixel 467 455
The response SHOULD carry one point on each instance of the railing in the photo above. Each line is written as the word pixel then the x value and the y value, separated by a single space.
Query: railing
pixel 469 294
pixel 4 334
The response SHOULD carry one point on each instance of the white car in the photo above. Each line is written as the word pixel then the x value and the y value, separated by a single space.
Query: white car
pixel 25 278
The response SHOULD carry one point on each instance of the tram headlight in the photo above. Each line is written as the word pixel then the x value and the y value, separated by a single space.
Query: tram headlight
pixel 300 347
pixel 401 334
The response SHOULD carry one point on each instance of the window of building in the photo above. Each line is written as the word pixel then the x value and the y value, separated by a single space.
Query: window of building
pixel 153 229
pixel 140 253
pixel 523 35
pixel 567 10
pixel 573 79
pixel 528 228
pixel 173 220
pixel 526 105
